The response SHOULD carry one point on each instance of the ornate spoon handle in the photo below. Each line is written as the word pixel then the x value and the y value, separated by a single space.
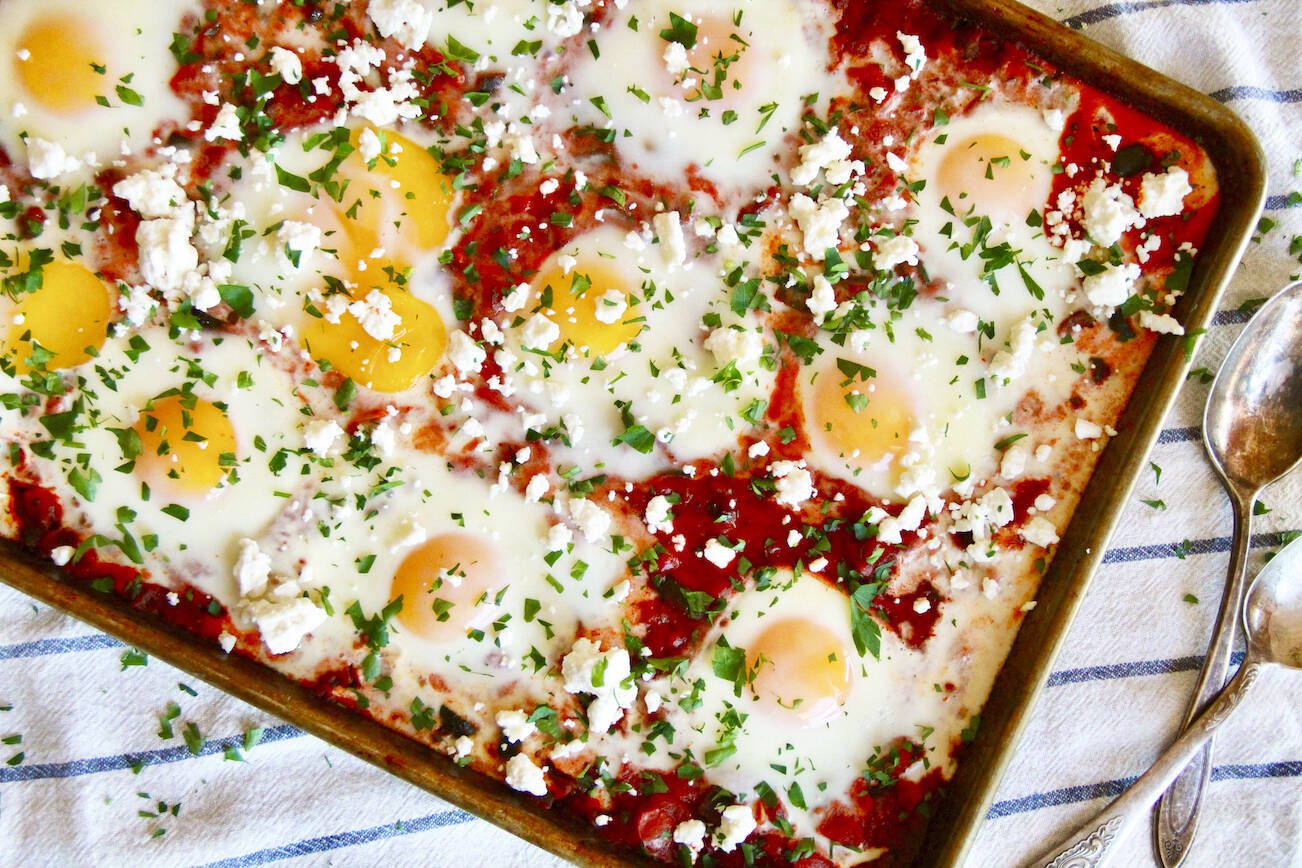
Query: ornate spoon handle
pixel 1093 843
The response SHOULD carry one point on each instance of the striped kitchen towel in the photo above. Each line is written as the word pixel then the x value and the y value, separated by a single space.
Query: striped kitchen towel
pixel 98 786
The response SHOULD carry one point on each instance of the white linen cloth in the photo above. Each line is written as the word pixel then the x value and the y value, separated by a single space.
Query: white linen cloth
pixel 1118 692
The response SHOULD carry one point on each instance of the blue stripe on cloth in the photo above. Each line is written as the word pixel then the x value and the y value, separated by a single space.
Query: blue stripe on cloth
pixel 1232 317
pixel 1179 435
pixel 1193 547
pixel 93 765
pixel 441 820
pixel 1114 788
pixel 1240 91
pixel 1133 669
pixel 1116 10
pixel 1282 201
pixel 43 647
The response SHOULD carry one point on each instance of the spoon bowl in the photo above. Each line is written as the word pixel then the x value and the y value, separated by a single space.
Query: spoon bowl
pixel 1272 617
pixel 1253 421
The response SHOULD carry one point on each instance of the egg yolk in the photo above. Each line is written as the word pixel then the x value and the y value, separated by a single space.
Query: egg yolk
pixel 418 343
pixel 445 585
pixel 67 316
pixel 577 303
pixel 801 668
pixel 57 74
pixel 996 175
pixel 717 49
pixel 866 423
pixel 405 189
pixel 187 444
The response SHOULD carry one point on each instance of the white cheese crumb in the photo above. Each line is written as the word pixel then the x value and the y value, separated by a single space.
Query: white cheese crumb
pixel 406 21
pixel 744 347
pixel 1161 323
pixel 1087 430
pixel 225 126
pixel 62 555
pixel 819 222
pixel 322 436
pixel 1039 531
pixel 823 299
pixel 817 156
pixel 673 246
pixel 46 160
pixel 795 485
pixel 462 746
pixel 1111 286
pixel 676 59
pixel 252 568
pixel 368 145
pixel 893 251
pixel 604 675
pixel 524 776
pixel 1108 211
pixel 1163 195
pixel 735 825
pixel 376 315
pixel 718 554
pixel 151 193
pixel 287 65
pixel 515 725
pixel 963 322
pixel 658 518
pixel 466 355
pixel 1013 463
pixel 537 488
pixel 539 332
pixel 611 305
pixel 284 623
pixel 690 833
pixel 593 521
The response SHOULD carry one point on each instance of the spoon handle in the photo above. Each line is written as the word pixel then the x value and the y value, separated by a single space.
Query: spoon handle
pixel 1176 818
pixel 1093 844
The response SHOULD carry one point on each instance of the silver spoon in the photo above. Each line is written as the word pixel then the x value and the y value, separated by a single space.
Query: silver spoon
pixel 1272 619
pixel 1252 429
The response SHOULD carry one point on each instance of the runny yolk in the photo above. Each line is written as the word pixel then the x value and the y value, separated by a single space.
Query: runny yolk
pixel 801 668
pixel 580 307
pixel 67 316
pixel 187 444
pixel 719 60
pixel 989 171
pixel 57 74
pixel 865 423
pixel 446 586
pixel 404 192
pixel 418 343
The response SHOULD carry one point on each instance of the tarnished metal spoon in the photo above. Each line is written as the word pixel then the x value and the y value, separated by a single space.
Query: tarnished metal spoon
pixel 1272 620
pixel 1252 429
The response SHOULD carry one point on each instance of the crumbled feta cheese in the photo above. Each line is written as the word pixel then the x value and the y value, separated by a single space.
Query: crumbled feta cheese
pixel 539 332
pixel 537 488
pixel 462 746
pixel 47 160
pixel 368 145
pixel 1111 286
pixel 376 315
pixel 736 822
pixel 690 833
pixel 252 568
pixel 891 529
pixel 1008 365
pixel 816 156
pixel 1039 531
pixel 322 436
pixel 593 521
pixel 558 538
pixel 669 229
pixel 226 642
pixel 284 623
pixel 1107 212
pixel 136 304
pixel 963 322
pixel 515 725
pixel 744 347
pixel 1163 195
pixel 62 555
pixel 719 554
pixel 1014 461
pixel 658 515
pixel 516 299
pixel 676 59
pixel 820 222
pixel 286 64
pixel 1087 430
pixel 795 484
pixel 298 236
pixel 466 355
pixel 225 126
pixel 151 193
pixel 610 305
pixel 604 675
pixel 823 299
pixel 893 251
pixel 914 54
pixel 758 449
pixel 1161 323
pixel 166 254
pixel 524 776
pixel 406 21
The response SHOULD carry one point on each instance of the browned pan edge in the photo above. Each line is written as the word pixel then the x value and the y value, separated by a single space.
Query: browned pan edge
pixel 1240 165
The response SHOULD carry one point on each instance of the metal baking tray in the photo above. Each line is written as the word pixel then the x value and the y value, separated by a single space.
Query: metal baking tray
pixel 1240 166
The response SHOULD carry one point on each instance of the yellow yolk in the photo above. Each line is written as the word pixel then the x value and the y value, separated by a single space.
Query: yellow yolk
pixel 443 584
pixel 386 366
pixel 406 190
pixel 800 667
pixel 989 172
pixel 578 307
pixel 57 73
pixel 187 444
pixel 716 47
pixel 67 316
pixel 869 437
